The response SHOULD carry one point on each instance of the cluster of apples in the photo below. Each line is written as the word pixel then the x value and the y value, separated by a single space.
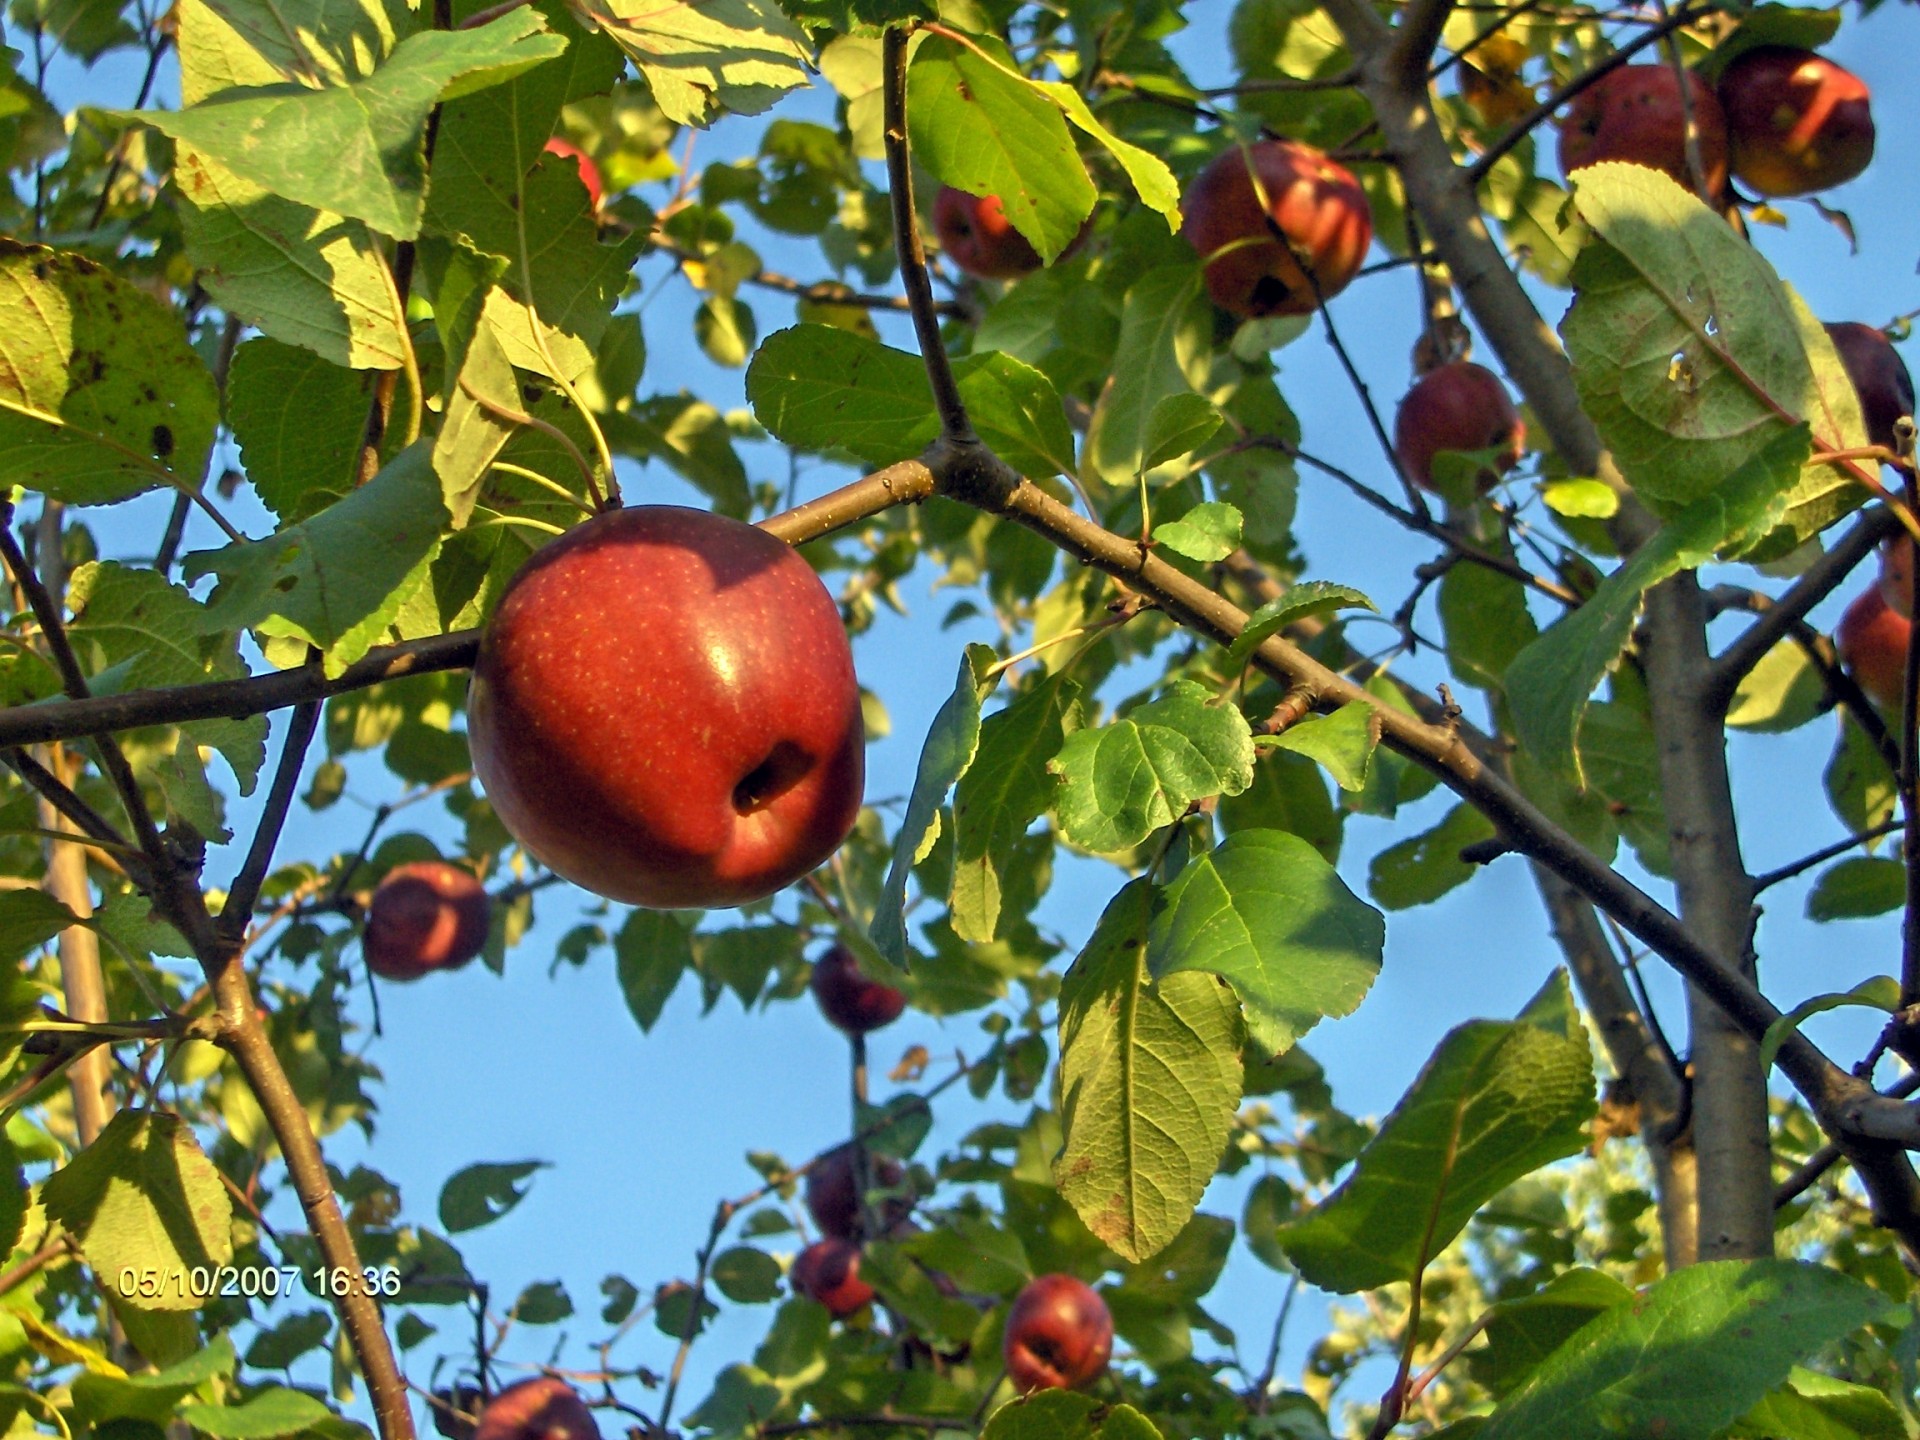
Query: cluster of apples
pixel 1784 121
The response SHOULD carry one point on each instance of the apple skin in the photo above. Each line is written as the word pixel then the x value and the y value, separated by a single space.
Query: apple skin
pixel 1796 121
pixel 1059 1335
pixel 664 710
pixel 1879 376
pixel 1872 640
pixel 833 1199
pixel 589 172
pixel 423 917
pixel 848 998
pixel 829 1271
pixel 543 1408
pixel 1634 114
pixel 1317 205
pixel 976 235
pixel 1896 575
pixel 1457 406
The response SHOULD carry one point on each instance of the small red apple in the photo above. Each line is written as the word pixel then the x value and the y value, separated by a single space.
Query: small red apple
pixel 425 916
pixel 1879 376
pixel 664 710
pixel 833 1197
pixel 543 1408
pixel 1797 122
pixel 977 236
pixel 829 1271
pixel 589 172
pixel 848 998
pixel 1059 1335
pixel 1315 212
pixel 1457 406
pixel 1872 640
pixel 1634 114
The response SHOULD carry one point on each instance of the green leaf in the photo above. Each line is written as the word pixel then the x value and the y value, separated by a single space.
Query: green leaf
pixel 28 920
pixel 1065 1415
pixel 151 1396
pixel 101 397
pixel 725 329
pixel 1783 692
pixel 1180 424
pixel 1812 1406
pixel 1549 682
pixel 1016 410
pixel 949 750
pixel 544 1303
pixel 1268 913
pixel 982 127
pixel 1581 499
pixel 1314 597
pixel 356 150
pixel 143 1195
pixel 692 437
pixel 1149 1083
pixel 279 1346
pixel 1123 781
pixel 307 277
pixel 1208 532
pixel 1004 791
pixel 1690 1354
pixel 651 952
pixel 1342 742
pixel 700 57
pixel 974 1252
pixel 267 1415
pixel 481 1194
pixel 1166 334
pixel 337 580
pixel 1152 181
pixel 1422 868
pixel 1676 323
pixel 1497 1100
pixel 1487 622
pixel 13 1195
pixel 297 419
pixel 747 1276
pixel 1882 992
pixel 1858 887
pixel 1523 1332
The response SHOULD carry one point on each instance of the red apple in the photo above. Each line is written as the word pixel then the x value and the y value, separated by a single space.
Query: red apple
pixel 977 236
pixel 848 998
pixel 583 162
pixel 1059 1335
pixel 1872 640
pixel 1314 211
pixel 1797 122
pixel 829 1271
pixel 1879 376
pixel 1457 406
pixel 1896 575
pixel 425 916
pixel 1634 114
pixel 664 710
pixel 543 1408
pixel 833 1197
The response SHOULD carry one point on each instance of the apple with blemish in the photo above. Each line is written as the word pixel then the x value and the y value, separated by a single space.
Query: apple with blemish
pixel 1636 114
pixel 664 711
pixel 1796 122
pixel 1059 1335
pixel 423 917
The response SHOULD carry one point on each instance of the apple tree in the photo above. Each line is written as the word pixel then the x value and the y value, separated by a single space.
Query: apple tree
pixel 346 318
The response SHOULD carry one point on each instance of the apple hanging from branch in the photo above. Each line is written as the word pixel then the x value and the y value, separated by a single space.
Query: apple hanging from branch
pixel 1457 406
pixel 1059 1335
pixel 829 1271
pixel 1796 122
pixel 543 1408
pixel 425 916
pixel 1636 114
pixel 848 998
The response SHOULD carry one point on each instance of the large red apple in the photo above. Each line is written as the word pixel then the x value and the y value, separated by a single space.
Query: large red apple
pixel 423 917
pixel 583 162
pixel 833 1194
pixel 848 998
pixel 1879 376
pixel 1797 122
pixel 664 710
pixel 543 1408
pixel 1457 406
pixel 829 1271
pixel 1872 640
pixel 1634 114
pixel 1314 211
pixel 1059 1335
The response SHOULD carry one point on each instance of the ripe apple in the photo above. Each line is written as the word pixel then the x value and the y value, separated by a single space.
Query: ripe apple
pixel 425 916
pixel 977 236
pixel 833 1197
pixel 848 998
pixel 1059 1335
pixel 829 1271
pixel 1896 575
pixel 1879 376
pixel 1872 640
pixel 543 1408
pixel 583 162
pixel 1314 211
pixel 1797 122
pixel 1457 406
pixel 1634 114
pixel 664 710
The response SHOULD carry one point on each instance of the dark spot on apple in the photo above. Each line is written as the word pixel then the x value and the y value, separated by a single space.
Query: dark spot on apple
pixel 162 441
pixel 1270 292
pixel 771 778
